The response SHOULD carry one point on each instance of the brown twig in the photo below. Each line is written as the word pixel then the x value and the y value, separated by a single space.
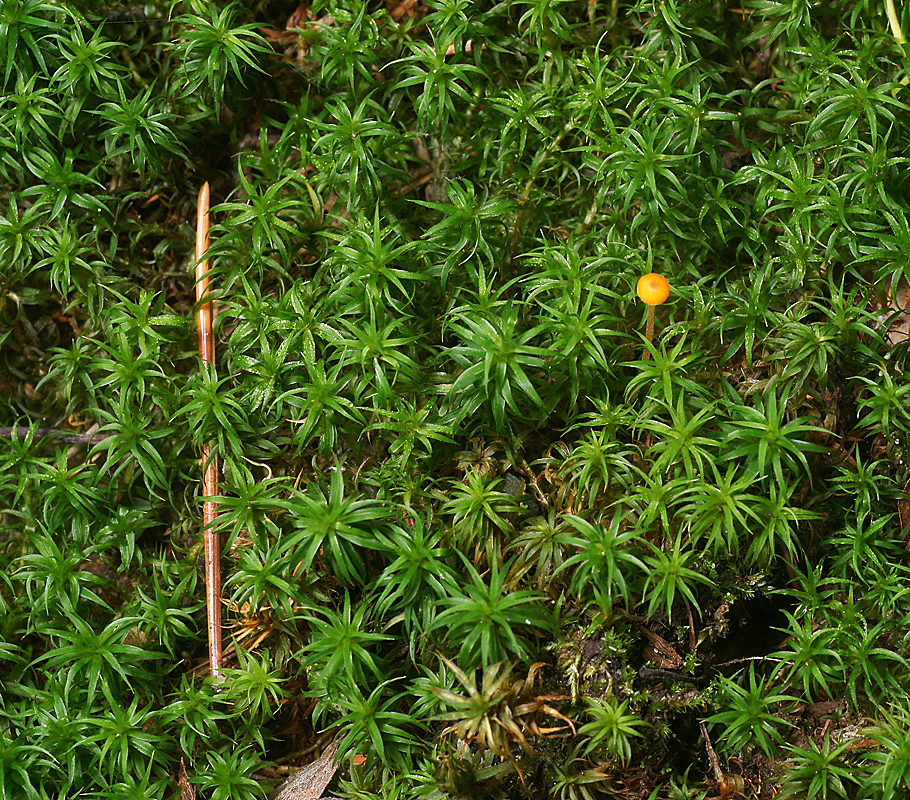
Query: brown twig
pixel 727 784
pixel 210 461
pixel 712 756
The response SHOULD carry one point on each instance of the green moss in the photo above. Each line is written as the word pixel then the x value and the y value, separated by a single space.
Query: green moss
pixel 448 453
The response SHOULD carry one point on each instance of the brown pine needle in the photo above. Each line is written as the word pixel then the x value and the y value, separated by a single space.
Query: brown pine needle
pixel 210 478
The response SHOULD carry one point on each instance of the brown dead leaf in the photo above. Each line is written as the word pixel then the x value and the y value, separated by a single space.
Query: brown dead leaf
pixel 187 790
pixel 863 744
pixel 899 301
pixel 903 513
pixel 823 708
pixel 309 782
pixel 659 651
pixel 401 8
pixel 299 18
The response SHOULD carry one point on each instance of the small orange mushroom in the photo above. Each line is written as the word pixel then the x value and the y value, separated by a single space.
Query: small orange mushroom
pixel 653 289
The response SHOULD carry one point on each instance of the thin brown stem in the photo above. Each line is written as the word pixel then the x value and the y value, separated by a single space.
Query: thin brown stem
pixel 209 460
pixel 649 332
pixel 712 756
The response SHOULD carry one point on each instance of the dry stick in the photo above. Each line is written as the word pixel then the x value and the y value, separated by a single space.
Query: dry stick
pixel 728 784
pixel 210 478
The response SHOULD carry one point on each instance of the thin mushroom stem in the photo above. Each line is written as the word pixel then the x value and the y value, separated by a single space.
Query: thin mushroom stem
pixel 652 289
pixel 649 332
pixel 209 460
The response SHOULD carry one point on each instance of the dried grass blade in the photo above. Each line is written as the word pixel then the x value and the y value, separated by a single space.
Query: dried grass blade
pixel 210 478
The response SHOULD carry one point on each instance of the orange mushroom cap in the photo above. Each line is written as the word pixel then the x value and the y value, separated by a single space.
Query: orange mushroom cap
pixel 653 288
